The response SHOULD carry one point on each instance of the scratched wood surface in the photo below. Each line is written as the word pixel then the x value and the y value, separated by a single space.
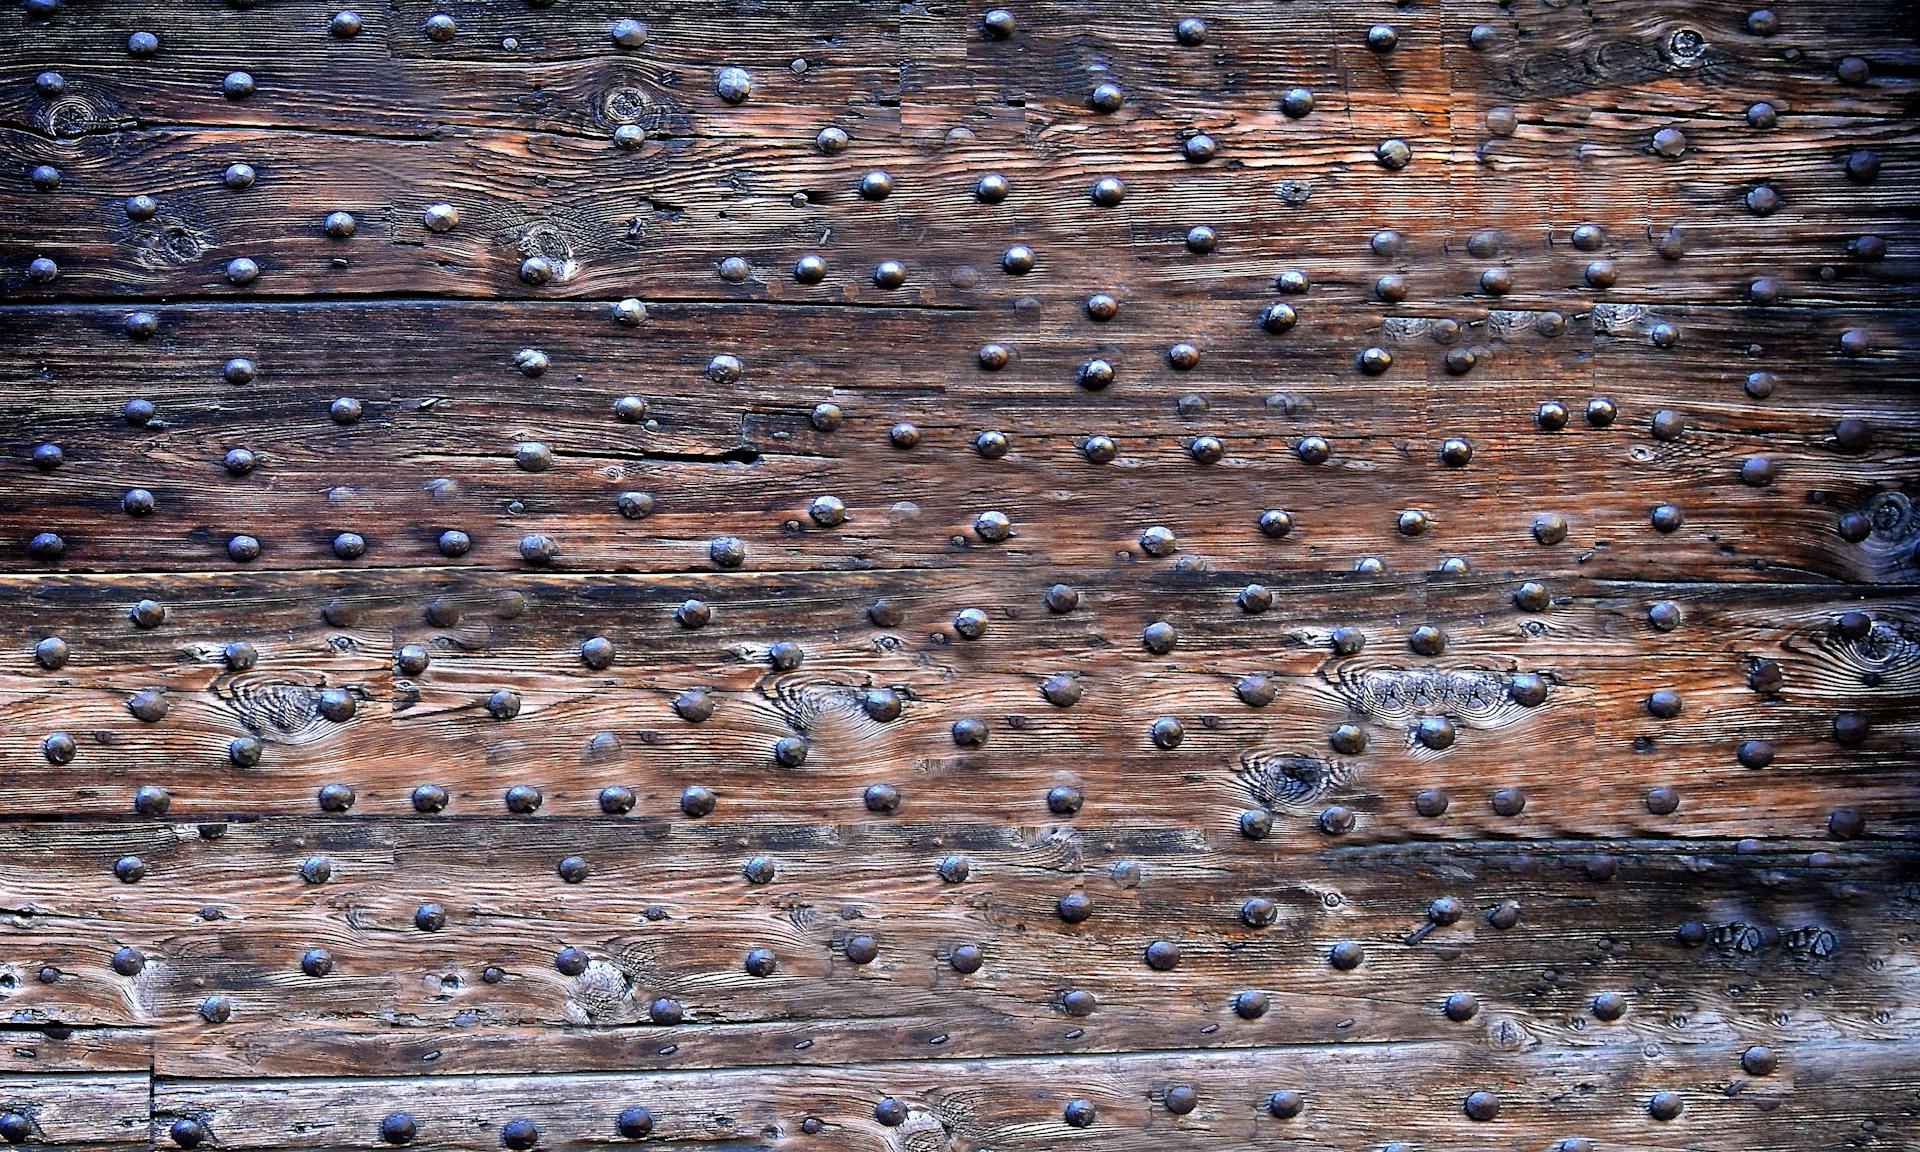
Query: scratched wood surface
pixel 928 577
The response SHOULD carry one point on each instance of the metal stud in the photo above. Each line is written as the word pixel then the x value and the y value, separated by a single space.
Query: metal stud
pixel 733 85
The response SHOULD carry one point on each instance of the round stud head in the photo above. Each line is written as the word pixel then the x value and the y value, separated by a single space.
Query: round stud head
pixel 1527 689
pixel 628 34
pixel 52 653
pixel 1256 690
pixel 398 1128
pixel 733 85
pixel 634 1123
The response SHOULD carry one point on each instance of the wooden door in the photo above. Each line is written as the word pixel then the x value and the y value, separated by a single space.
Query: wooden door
pixel 833 574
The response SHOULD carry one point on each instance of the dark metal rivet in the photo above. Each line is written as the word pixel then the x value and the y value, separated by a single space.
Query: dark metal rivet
pixel 1460 1007
pixel 882 799
pixel 695 801
pixel 1285 1104
pixel 1609 1006
pixel 58 748
pixel 1509 802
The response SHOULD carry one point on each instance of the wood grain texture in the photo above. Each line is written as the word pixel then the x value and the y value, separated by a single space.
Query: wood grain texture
pixel 550 567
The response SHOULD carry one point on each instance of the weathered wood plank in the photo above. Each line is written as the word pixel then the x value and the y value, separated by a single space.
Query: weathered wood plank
pixel 669 913
pixel 67 389
pixel 87 1110
pixel 576 728
pixel 669 213
pixel 1365 1094
pixel 565 76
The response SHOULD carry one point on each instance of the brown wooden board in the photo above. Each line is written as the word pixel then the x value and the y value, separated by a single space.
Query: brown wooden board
pixel 789 574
